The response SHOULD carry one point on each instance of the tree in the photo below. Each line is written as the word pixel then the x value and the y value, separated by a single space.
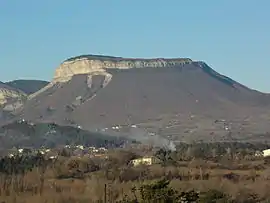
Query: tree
pixel 165 156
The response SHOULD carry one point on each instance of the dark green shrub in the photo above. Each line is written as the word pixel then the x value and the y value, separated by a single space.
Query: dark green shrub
pixel 214 196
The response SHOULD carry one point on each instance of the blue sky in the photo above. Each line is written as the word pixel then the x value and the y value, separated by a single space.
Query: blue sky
pixel 233 37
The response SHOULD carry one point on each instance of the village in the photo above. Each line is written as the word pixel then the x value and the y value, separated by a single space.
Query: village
pixel 80 151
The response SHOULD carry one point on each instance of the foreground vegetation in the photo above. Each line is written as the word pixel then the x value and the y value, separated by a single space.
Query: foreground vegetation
pixel 224 172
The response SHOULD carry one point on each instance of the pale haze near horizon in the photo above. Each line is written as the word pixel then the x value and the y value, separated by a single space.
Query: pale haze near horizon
pixel 233 37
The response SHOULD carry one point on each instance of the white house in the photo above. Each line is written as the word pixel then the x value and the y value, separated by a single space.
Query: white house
pixel 147 160
pixel 266 152
pixel 80 147
pixel 20 150
pixel 11 155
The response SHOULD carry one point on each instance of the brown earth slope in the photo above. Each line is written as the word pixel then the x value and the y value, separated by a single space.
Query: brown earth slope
pixel 181 101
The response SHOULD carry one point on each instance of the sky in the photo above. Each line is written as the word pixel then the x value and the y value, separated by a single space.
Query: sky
pixel 232 36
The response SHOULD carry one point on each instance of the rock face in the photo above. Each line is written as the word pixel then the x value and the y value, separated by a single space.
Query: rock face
pixel 94 64
pixel 10 96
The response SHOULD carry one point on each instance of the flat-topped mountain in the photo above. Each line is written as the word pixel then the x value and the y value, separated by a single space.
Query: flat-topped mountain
pixel 179 98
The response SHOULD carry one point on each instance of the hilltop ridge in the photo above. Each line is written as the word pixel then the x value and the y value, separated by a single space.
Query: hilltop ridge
pixel 118 58
pixel 87 64
pixel 27 86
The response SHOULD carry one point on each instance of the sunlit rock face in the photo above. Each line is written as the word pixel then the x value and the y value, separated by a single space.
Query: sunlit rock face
pixel 9 95
pixel 93 64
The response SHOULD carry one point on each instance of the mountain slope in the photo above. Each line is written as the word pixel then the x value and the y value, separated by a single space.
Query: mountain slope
pixel 171 97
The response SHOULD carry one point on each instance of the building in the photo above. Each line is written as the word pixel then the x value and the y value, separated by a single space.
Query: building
pixel 266 152
pixel 147 160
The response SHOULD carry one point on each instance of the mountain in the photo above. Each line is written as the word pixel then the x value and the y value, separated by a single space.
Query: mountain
pixel 28 86
pixel 177 98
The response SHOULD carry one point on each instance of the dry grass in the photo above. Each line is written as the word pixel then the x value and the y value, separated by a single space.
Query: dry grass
pixel 198 175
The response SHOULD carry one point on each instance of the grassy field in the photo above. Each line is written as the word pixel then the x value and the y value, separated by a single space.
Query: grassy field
pixel 84 179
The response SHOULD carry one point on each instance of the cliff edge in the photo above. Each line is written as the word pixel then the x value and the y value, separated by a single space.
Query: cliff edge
pixel 87 64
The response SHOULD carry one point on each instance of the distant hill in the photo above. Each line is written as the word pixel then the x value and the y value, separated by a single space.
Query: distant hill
pixel 27 86
pixel 50 135
pixel 14 94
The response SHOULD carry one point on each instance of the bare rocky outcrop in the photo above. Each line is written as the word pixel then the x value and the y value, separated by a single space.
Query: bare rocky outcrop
pixel 6 94
pixel 10 95
pixel 98 64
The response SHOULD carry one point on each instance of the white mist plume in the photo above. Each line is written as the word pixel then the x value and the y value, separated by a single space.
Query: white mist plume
pixel 154 140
